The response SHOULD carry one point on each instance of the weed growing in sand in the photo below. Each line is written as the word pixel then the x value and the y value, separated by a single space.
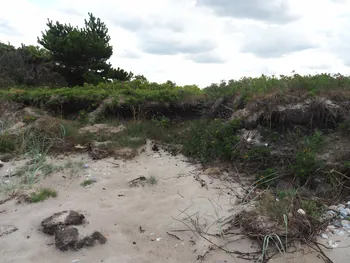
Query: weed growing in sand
pixel 87 182
pixel 277 243
pixel 152 180
pixel 42 195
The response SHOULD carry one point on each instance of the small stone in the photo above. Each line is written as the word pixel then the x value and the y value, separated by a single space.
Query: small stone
pixel 345 223
pixel 333 207
pixel 339 232
pixel 331 227
pixel 341 206
pixel 332 244
pixel 324 236
pixel 343 212
pixel 301 211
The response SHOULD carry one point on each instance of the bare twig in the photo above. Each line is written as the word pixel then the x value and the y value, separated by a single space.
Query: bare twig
pixel 180 194
pixel 175 236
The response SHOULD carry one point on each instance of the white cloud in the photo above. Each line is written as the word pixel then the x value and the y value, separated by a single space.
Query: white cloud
pixel 201 41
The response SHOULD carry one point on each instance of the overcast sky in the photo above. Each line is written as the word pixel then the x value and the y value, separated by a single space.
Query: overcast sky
pixel 202 41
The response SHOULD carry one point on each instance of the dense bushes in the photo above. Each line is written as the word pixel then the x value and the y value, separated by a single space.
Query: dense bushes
pixel 132 92
pixel 209 140
pixel 138 91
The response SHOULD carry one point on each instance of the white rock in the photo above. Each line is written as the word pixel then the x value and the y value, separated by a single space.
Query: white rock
pixel 339 232
pixel 324 236
pixel 301 211
pixel 332 244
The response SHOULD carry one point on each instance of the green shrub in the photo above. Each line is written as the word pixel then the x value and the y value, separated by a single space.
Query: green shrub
pixel 266 178
pixel 312 208
pixel 306 162
pixel 208 140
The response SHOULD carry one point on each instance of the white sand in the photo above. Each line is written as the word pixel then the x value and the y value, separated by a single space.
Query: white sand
pixel 154 207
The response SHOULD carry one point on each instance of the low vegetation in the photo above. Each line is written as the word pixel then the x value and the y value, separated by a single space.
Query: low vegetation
pixel 42 194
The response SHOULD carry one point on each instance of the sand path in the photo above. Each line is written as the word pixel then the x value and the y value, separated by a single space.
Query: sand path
pixel 118 211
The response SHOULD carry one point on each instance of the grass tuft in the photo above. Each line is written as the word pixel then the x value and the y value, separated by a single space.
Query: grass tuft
pixel 42 195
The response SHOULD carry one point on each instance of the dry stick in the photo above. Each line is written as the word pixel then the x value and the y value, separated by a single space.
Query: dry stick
pixel 219 247
pixel 180 194
pixel 326 259
pixel 185 225
pixel 174 236
pixel 116 164
pixel 202 257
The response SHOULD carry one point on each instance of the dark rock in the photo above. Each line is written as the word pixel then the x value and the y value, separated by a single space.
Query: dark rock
pixel 53 223
pixel 85 242
pixel 89 241
pixel 99 237
pixel 66 238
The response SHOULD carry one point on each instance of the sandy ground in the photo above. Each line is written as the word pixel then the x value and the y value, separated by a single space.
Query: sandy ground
pixel 118 211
